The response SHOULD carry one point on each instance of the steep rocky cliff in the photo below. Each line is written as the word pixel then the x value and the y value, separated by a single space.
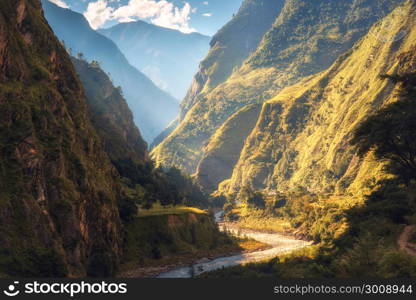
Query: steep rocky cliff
pixel 111 117
pixel 58 191
pixel 306 38
pixel 302 137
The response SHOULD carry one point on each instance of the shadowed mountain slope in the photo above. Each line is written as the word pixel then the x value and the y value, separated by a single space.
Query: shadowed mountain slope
pixel 153 109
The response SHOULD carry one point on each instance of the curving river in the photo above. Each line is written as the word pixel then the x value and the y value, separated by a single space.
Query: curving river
pixel 279 244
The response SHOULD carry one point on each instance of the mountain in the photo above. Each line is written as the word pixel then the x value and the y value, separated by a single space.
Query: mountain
pixel 302 136
pixel 169 57
pixel 223 150
pixel 153 109
pixel 231 45
pixel 111 116
pixel 306 38
pixel 229 48
pixel 58 218
pixel 334 156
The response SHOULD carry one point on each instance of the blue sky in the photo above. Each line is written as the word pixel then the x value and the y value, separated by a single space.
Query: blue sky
pixel 204 16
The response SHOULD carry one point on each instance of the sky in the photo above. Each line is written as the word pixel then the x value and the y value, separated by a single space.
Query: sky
pixel 203 16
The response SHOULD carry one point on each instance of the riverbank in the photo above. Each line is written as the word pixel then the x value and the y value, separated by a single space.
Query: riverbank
pixel 160 241
pixel 279 244
pixel 245 246
pixel 156 267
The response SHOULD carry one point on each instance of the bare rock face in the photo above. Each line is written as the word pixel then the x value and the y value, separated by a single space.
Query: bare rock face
pixel 58 189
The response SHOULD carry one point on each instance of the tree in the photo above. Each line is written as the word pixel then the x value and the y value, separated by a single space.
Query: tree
pixel 80 56
pixel 95 64
pixel 391 132
pixel 120 90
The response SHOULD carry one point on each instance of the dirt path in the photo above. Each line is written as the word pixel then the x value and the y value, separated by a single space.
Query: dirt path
pixel 403 240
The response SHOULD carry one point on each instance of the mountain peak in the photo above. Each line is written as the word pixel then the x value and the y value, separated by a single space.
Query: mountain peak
pixel 161 52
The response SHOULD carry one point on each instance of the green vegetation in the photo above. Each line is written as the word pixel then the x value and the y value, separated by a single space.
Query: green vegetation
pixel 252 198
pixel 302 135
pixel 360 241
pixel 141 183
pixel 305 38
pixel 57 183
pixel 73 166
pixel 160 226
pixel 167 187
pixel 158 210
pixel 357 242
pixel 157 238
pixel 390 133
pixel 140 92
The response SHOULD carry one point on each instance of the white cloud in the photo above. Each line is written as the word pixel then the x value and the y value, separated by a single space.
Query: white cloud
pixel 126 20
pixel 162 13
pixel 98 13
pixel 60 3
pixel 205 3
pixel 174 17
pixel 207 15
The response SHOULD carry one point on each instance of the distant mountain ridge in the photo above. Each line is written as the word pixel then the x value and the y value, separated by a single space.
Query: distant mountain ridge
pixel 153 109
pixel 169 57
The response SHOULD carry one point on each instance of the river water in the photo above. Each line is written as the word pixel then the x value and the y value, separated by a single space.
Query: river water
pixel 279 244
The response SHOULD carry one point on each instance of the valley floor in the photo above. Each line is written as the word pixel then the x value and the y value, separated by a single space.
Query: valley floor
pixel 174 262
pixel 166 238
pixel 278 244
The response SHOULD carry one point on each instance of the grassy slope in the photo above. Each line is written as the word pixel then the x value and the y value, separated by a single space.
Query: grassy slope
pixel 357 238
pixel 161 239
pixel 281 59
pixel 229 48
pixel 158 210
pixel 302 136
pixel 223 150
pixel 231 45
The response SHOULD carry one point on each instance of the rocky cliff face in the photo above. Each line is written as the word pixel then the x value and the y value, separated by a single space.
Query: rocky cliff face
pixel 302 136
pixel 58 190
pixel 306 38
pixel 111 117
